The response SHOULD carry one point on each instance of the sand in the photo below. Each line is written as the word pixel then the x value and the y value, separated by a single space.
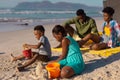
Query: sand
pixel 96 67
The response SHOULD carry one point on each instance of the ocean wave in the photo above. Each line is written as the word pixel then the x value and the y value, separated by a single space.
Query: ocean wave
pixel 12 12
pixel 5 11
pixel 8 11
pixel 29 20
pixel 9 14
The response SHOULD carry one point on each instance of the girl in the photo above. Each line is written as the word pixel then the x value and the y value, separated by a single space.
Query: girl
pixel 111 29
pixel 71 61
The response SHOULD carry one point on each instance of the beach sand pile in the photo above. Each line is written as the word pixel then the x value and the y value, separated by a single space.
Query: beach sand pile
pixel 96 67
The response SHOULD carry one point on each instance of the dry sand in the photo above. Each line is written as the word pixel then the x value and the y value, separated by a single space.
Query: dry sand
pixel 96 68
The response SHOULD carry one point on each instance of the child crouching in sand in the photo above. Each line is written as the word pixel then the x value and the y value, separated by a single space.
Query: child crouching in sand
pixel 43 45
pixel 71 61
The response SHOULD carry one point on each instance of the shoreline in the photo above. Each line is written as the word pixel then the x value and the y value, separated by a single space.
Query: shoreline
pixel 27 24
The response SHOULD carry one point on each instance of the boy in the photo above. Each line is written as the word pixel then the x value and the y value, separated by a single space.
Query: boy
pixel 43 46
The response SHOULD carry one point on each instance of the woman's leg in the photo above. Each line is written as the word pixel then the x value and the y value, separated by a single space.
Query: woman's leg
pixel 67 72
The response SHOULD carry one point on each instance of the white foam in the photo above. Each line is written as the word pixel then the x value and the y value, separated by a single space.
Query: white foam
pixel 8 11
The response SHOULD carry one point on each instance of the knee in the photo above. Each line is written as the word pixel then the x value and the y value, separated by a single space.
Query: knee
pixel 90 34
pixel 64 74
pixel 67 72
pixel 95 47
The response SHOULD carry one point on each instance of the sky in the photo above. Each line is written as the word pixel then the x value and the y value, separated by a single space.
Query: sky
pixel 13 3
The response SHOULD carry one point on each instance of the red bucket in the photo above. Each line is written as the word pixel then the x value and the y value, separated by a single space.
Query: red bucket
pixel 27 53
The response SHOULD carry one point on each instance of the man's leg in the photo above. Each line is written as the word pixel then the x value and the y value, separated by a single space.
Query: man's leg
pixel 99 46
pixel 93 37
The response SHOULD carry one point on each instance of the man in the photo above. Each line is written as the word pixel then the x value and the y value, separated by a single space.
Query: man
pixel 84 25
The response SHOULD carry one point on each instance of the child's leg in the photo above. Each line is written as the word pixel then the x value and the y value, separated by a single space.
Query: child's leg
pixel 32 60
pixel 99 46
pixel 67 72
pixel 17 57
pixel 43 58
pixel 35 57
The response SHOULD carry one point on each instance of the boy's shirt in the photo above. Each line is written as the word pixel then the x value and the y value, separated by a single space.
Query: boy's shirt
pixel 44 49
pixel 112 32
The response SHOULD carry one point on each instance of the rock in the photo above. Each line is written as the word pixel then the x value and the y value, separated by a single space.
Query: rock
pixel 108 74
pixel 100 78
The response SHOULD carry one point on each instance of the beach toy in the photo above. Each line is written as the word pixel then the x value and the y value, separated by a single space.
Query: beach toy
pixel 27 53
pixel 53 69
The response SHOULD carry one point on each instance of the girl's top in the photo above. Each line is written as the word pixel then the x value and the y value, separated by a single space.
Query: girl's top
pixel 112 32
pixel 74 57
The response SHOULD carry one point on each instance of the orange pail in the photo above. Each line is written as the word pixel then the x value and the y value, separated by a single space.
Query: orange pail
pixel 53 69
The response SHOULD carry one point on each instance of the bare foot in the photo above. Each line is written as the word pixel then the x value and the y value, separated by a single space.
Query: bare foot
pixel 18 69
pixel 12 58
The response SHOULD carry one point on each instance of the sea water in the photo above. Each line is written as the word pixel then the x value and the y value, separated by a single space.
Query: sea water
pixel 11 20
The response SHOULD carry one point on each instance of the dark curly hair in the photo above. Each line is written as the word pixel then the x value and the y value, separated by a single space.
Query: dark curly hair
pixel 40 28
pixel 109 10
pixel 59 28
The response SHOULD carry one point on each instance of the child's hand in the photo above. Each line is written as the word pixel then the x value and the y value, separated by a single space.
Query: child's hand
pixel 25 46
